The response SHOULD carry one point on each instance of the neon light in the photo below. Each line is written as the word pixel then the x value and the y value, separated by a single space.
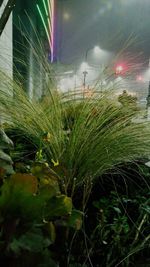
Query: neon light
pixel 49 7
pixel 51 48
pixel 50 19
pixel 50 29
pixel 53 10
pixel 49 23
pixel 45 7
pixel 42 18
pixel 51 26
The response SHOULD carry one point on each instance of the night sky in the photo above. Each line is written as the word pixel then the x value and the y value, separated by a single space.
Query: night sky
pixel 82 24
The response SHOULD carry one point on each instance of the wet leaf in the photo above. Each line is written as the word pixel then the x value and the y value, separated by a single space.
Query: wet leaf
pixel 41 170
pixel 49 188
pixel 31 241
pixel 26 181
pixel 117 210
pixel 2 173
pixel 59 206
pixel 75 219
pixel 51 231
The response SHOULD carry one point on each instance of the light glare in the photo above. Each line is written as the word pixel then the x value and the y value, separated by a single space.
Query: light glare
pixel 97 50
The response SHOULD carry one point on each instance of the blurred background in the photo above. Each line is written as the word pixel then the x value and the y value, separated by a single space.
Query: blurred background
pixel 81 39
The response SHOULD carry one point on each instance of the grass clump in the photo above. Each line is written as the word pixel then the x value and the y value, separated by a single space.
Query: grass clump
pixel 71 141
pixel 84 137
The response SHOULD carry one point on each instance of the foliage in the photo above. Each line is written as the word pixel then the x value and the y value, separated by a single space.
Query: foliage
pixel 5 159
pixel 29 211
pixel 84 137
pixel 121 233
pixel 63 143
pixel 128 101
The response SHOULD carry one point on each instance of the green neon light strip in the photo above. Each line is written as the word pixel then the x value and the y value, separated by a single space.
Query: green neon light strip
pixel 50 23
pixel 49 7
pixel 49 17
pixel 42 18
pixel 53 10
pixel 50 27
pixel 45 7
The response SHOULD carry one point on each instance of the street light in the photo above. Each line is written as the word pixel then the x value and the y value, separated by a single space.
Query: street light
pixel 85 71
pixel 97 50
pixel 66 16
pixel 84 78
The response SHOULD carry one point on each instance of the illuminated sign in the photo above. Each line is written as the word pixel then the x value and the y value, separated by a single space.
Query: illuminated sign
pixel 46 10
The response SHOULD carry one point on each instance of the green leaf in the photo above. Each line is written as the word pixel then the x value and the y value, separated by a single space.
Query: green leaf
pixel 15 202
pixel 2 173
pixel 59 206
pixel 33 241
pixel 75 219
pixel 6 162
pixel 49 188
pixel 51 231
pixel 117 210
pixel 146 208
pixel 26 181
pixel 46 260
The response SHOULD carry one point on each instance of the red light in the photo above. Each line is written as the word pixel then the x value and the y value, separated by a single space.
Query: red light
pixel 139 78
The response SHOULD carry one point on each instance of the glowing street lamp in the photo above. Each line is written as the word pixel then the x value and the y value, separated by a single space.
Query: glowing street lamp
pixel 84 78
pixel 97 51
pixel 66 16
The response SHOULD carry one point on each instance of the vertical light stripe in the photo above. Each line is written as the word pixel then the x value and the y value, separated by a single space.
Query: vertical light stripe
pixel 44 24
pixel 45 7
pixel 49 23
pixel 49 8
pixel 53 22
pixel 51 26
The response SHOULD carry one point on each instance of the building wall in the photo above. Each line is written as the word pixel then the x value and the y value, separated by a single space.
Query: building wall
pixel 24 22
pixel 27 29
pixel 6 54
